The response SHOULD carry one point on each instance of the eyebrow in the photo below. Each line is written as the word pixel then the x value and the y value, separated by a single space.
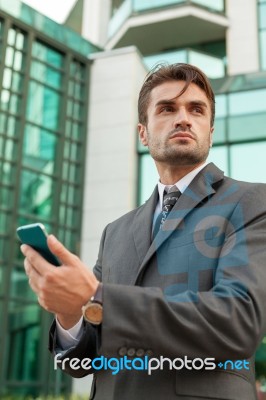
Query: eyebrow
pixel 164 102
pixel 198 103
pixel 172 102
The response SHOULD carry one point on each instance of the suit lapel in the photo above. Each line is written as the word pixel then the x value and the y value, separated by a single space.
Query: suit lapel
pixel 200 189
pixel 142 225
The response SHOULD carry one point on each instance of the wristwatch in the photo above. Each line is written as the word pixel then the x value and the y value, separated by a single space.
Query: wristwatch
pixel 93 310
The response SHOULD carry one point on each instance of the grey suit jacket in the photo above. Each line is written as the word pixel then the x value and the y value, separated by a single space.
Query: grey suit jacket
pixel 196 291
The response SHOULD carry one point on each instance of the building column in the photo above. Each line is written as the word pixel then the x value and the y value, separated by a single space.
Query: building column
pixel 96 15
pixel 242 37
pixel 111 162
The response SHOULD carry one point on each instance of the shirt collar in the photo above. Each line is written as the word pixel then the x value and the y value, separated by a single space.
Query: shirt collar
pixel 182 184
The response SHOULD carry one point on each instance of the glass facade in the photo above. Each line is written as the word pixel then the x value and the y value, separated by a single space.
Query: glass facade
pixel 43 119
pixel 262 31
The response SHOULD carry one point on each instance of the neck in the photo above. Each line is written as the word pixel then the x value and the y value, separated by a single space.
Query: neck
pixel 170 174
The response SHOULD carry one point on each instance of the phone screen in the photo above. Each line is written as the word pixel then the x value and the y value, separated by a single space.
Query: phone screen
pixel 35 236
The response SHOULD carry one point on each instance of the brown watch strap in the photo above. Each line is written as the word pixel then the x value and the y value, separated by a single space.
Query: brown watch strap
pixel 98 296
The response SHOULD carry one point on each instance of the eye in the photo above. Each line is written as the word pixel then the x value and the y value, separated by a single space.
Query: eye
pixel 197 110
pixel 167 109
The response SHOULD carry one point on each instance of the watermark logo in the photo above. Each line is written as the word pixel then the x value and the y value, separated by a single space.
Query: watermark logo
pixel 234 365
pixel 146 364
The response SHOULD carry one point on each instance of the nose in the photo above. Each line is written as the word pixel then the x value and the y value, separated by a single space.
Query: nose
pixel 182 118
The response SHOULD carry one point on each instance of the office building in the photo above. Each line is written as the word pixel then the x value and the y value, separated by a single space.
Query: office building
pixel 44 82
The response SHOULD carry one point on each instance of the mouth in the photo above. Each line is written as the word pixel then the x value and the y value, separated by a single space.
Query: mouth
pixel 182 135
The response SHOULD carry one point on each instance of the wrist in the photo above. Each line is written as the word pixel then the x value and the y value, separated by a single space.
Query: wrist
pixel 93 310
pixel 98 295
pixel 68 321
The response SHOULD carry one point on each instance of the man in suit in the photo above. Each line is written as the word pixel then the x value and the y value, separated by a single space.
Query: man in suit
pixel 180 280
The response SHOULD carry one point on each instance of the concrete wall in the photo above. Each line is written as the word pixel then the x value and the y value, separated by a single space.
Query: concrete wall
pixel 111 166
pixel 242 37
pixel 96 14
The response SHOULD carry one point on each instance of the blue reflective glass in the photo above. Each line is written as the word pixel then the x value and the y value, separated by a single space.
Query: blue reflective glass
pixel 10 150
pixel 77 70
pixel 219 156
pixel 140 5
pixel 11 37
pixel 6 198
pixel 212 66
pixel 36 192
pixel 19 285
pixel 43 106
pixel 23 340
pixel 7 172
pixel 263 49
pixel 221 105
pixel 148 177
pixel 262 16
pixel 219 135
pixel 45 74
pixel 47 54
pixel 247 126
pixel 248 162
pixel 5 221
pixel 217 5
pixel 249 102
pixel 167 57
pixel 39 149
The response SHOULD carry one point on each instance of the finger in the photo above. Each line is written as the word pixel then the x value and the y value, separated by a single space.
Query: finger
pixel 35 260
pixel 35 280
pixel 27 266
pixel 56 247
pixel 42 303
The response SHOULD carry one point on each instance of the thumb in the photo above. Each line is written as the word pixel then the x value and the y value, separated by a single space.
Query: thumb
pixel 59 250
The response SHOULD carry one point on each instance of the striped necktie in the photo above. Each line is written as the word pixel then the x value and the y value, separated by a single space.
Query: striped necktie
pixel 169 200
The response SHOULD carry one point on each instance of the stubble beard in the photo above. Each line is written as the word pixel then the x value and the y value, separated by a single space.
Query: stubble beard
pixel 182 153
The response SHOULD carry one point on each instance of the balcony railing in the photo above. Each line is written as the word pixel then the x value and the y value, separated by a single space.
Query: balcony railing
pixel 129 7
pixel 214 67
pixel 140 5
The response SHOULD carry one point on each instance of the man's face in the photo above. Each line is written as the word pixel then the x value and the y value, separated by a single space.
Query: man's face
pixel 178 130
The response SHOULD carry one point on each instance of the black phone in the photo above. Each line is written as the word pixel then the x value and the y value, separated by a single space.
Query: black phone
pixel 35 236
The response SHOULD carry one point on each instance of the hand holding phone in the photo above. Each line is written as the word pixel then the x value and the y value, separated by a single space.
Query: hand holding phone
pixel 35 236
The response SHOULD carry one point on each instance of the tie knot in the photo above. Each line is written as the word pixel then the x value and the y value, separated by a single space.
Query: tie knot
pixel 170 198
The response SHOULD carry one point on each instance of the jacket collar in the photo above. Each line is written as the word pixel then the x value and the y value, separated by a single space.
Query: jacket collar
pixel 201 188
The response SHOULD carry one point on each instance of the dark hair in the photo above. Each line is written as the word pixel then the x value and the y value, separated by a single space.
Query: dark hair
pixel 181 72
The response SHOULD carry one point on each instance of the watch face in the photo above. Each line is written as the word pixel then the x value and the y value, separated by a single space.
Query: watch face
pixel 94 313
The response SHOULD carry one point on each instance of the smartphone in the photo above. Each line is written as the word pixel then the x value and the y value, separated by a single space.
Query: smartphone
pixel 35 236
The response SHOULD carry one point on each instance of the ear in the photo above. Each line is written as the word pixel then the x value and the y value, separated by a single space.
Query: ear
pixel 211 136
pixel 143 135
